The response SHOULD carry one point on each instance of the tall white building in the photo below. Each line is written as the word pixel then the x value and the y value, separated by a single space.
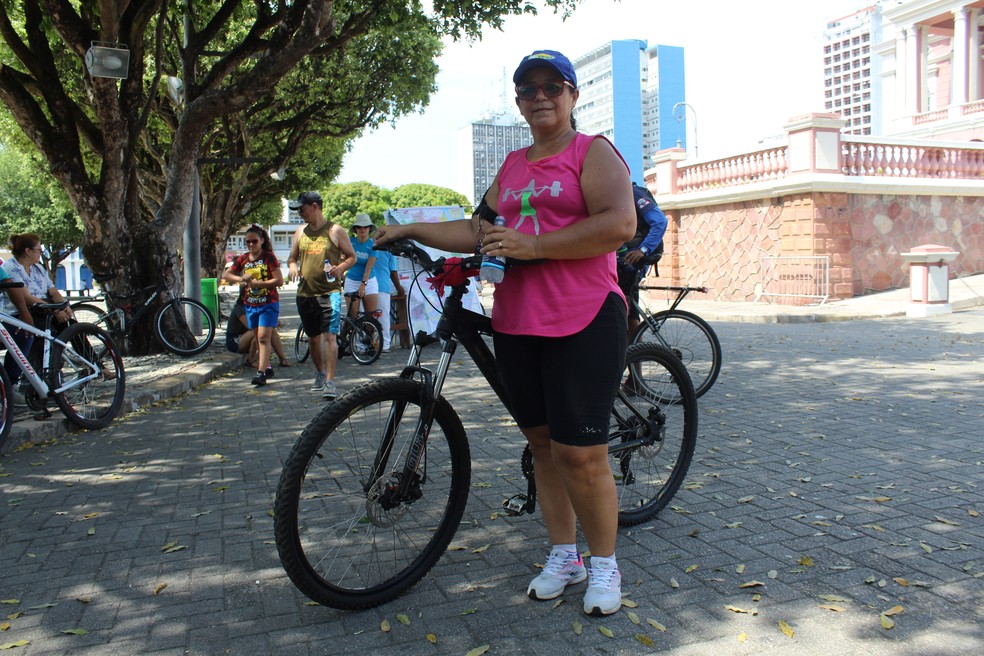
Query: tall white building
pixel 628 94
pixel 483 146
pixel 851 74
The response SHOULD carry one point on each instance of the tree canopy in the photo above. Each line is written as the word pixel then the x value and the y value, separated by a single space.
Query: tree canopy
pixel 244 82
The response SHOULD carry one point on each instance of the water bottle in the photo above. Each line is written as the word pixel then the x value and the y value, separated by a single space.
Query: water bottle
pixel 328 276
pixel 493 269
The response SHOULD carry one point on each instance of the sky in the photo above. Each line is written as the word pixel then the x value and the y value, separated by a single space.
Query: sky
pixel 749 66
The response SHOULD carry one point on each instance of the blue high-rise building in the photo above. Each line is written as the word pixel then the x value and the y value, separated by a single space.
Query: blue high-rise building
pixel 628 93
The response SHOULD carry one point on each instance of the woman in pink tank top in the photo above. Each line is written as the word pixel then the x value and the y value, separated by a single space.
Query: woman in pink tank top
pixel 559 322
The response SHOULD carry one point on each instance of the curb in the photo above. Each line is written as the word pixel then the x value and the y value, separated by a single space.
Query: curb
pixel 32 431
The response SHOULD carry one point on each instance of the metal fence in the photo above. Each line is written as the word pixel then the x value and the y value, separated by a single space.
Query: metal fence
pixel 796 277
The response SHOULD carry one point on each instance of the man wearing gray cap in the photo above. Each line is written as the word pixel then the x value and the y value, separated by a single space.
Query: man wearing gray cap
pixel 320 254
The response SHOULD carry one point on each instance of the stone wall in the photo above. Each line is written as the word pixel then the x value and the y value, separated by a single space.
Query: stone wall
pixel 721 246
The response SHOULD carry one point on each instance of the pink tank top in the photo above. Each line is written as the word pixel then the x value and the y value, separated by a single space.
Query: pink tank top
pixel 553 298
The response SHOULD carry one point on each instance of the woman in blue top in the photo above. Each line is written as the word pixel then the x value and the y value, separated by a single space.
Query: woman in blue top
pixel 359 282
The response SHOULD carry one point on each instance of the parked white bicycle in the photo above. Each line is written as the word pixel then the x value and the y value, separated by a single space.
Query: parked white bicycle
pixel 81 369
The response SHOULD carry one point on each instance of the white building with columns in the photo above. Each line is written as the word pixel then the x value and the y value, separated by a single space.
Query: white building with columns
pixel 932 78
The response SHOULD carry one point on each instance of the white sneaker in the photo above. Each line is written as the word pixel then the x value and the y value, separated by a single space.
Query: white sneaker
pixel 319 382
pixel 328 390
pixel 604 595
pixel 563 568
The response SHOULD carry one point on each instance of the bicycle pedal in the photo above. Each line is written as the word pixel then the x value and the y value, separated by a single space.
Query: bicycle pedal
pixel 516 505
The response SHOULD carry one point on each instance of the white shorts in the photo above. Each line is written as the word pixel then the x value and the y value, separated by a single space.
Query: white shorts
pixel 352 286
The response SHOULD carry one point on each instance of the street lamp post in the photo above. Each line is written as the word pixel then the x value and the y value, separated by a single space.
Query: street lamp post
pixel 682 116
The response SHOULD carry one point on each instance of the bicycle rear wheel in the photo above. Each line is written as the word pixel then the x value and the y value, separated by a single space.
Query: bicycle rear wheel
pixel 366 340
pixel 184 326
pixel 653 432
pixel 690 339
pixel 301 345
pixel 91 363
pixel 6 405
pixel 345 537
pixel 86 313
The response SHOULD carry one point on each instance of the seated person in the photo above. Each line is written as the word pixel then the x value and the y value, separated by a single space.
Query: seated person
pixel 240 339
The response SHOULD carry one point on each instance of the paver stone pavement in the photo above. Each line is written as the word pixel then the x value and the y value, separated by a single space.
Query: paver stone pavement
pixel 833 507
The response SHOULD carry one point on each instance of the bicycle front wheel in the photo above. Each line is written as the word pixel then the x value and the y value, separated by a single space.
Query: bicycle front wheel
pixel 690 339
pixel 366 340
pixel 346 534
pixel 301 345
pixel 653 432
pixel 6 405
pixel 184 326
pixel 88 370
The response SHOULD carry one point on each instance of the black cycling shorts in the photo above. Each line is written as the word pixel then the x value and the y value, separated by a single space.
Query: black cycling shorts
pixel 567 383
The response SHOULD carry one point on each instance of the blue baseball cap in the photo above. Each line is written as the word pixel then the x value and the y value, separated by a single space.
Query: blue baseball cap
pixel 551 58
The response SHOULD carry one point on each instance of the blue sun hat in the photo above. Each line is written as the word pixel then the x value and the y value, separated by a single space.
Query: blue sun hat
pixel 550 58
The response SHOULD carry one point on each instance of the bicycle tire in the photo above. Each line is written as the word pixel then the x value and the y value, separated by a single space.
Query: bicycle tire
pixel 86 313
pixel 336 541
pixel 690 339
pixel 365 340
pixel 172 330
pixel 302 345
pixel 6 405
pixel 95 403
pixel 656 409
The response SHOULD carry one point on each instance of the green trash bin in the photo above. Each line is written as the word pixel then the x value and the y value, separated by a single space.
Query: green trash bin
pixel 210 296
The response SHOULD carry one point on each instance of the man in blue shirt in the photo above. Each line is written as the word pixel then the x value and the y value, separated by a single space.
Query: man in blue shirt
pixel 645 248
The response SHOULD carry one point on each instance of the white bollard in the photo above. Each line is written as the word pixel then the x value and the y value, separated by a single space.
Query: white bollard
pixel 929 283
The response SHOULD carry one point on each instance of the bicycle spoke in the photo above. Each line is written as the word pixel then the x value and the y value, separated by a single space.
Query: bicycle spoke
pixel 653 432
pixel 346 535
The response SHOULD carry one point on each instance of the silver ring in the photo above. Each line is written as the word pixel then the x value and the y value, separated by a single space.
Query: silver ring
pixel 500 245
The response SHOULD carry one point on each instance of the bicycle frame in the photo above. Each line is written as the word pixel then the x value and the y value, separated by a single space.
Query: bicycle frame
pixel 458 325
pixel 643 310
pixel 37 382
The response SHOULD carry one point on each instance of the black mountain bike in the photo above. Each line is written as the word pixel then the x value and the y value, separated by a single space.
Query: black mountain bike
pixel 684 334
pixel 361 337
pixel 373 490
pixel 181 325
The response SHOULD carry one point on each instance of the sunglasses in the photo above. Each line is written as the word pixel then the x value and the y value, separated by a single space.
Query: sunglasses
pixel 550 89
pixel 252 241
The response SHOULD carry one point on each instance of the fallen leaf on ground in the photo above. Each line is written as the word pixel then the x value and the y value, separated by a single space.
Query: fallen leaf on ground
pixel 735 609
pixel 887 622
pixel 644 639
pixel 605 631
pixel 785 628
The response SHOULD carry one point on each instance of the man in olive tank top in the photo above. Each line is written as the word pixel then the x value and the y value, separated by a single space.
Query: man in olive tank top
pixel 320 254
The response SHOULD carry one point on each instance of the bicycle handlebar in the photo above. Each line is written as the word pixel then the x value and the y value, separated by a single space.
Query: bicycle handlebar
pixel 410 250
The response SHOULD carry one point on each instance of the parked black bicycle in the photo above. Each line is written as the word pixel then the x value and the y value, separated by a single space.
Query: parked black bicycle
pixel 373 490
pixel 687 336
pixel 181 325
pixel 360 336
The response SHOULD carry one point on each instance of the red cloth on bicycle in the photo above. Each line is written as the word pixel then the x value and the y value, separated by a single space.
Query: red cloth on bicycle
pixel 453 274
